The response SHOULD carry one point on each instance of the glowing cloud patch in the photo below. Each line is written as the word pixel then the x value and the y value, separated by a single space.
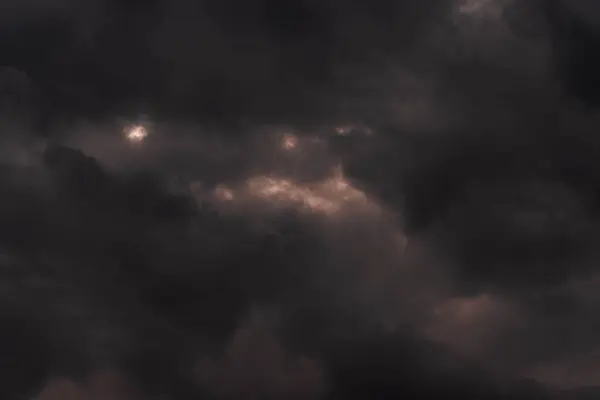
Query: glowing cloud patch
pixel 289 142
pixel 136 133
pixel 348 130
pixel 343 130
pixel 328 196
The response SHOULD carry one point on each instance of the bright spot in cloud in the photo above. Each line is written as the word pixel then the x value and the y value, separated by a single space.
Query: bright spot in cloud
pixel 289 141
pixel 136 133
pixel 328 196
pixel 343 130
pixel 346 130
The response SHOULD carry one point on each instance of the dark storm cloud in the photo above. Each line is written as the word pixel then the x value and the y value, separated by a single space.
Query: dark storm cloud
pixel 55 238
pixel 211 260
pixel 213 59
pixel 508 185
pixel 120 275
pixel 575 37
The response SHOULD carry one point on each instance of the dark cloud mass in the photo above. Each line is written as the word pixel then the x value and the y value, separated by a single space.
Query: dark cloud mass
pixel 299 200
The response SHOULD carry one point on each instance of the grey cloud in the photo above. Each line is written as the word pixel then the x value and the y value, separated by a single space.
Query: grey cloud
pixel 473 151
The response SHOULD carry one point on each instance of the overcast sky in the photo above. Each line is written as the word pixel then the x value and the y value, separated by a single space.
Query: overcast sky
pixel 319 199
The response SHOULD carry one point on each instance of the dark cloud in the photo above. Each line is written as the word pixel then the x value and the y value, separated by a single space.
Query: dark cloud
pixel 379 200
pixel 211 59
pixel 119 274
pixel 575 39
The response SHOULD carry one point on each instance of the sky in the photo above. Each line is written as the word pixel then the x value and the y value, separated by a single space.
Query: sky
pixel 324 199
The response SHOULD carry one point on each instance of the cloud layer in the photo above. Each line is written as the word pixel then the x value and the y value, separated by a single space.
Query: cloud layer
pixel 336 201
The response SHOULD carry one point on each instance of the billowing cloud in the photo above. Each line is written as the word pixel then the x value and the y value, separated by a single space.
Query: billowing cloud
pixel 320 200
